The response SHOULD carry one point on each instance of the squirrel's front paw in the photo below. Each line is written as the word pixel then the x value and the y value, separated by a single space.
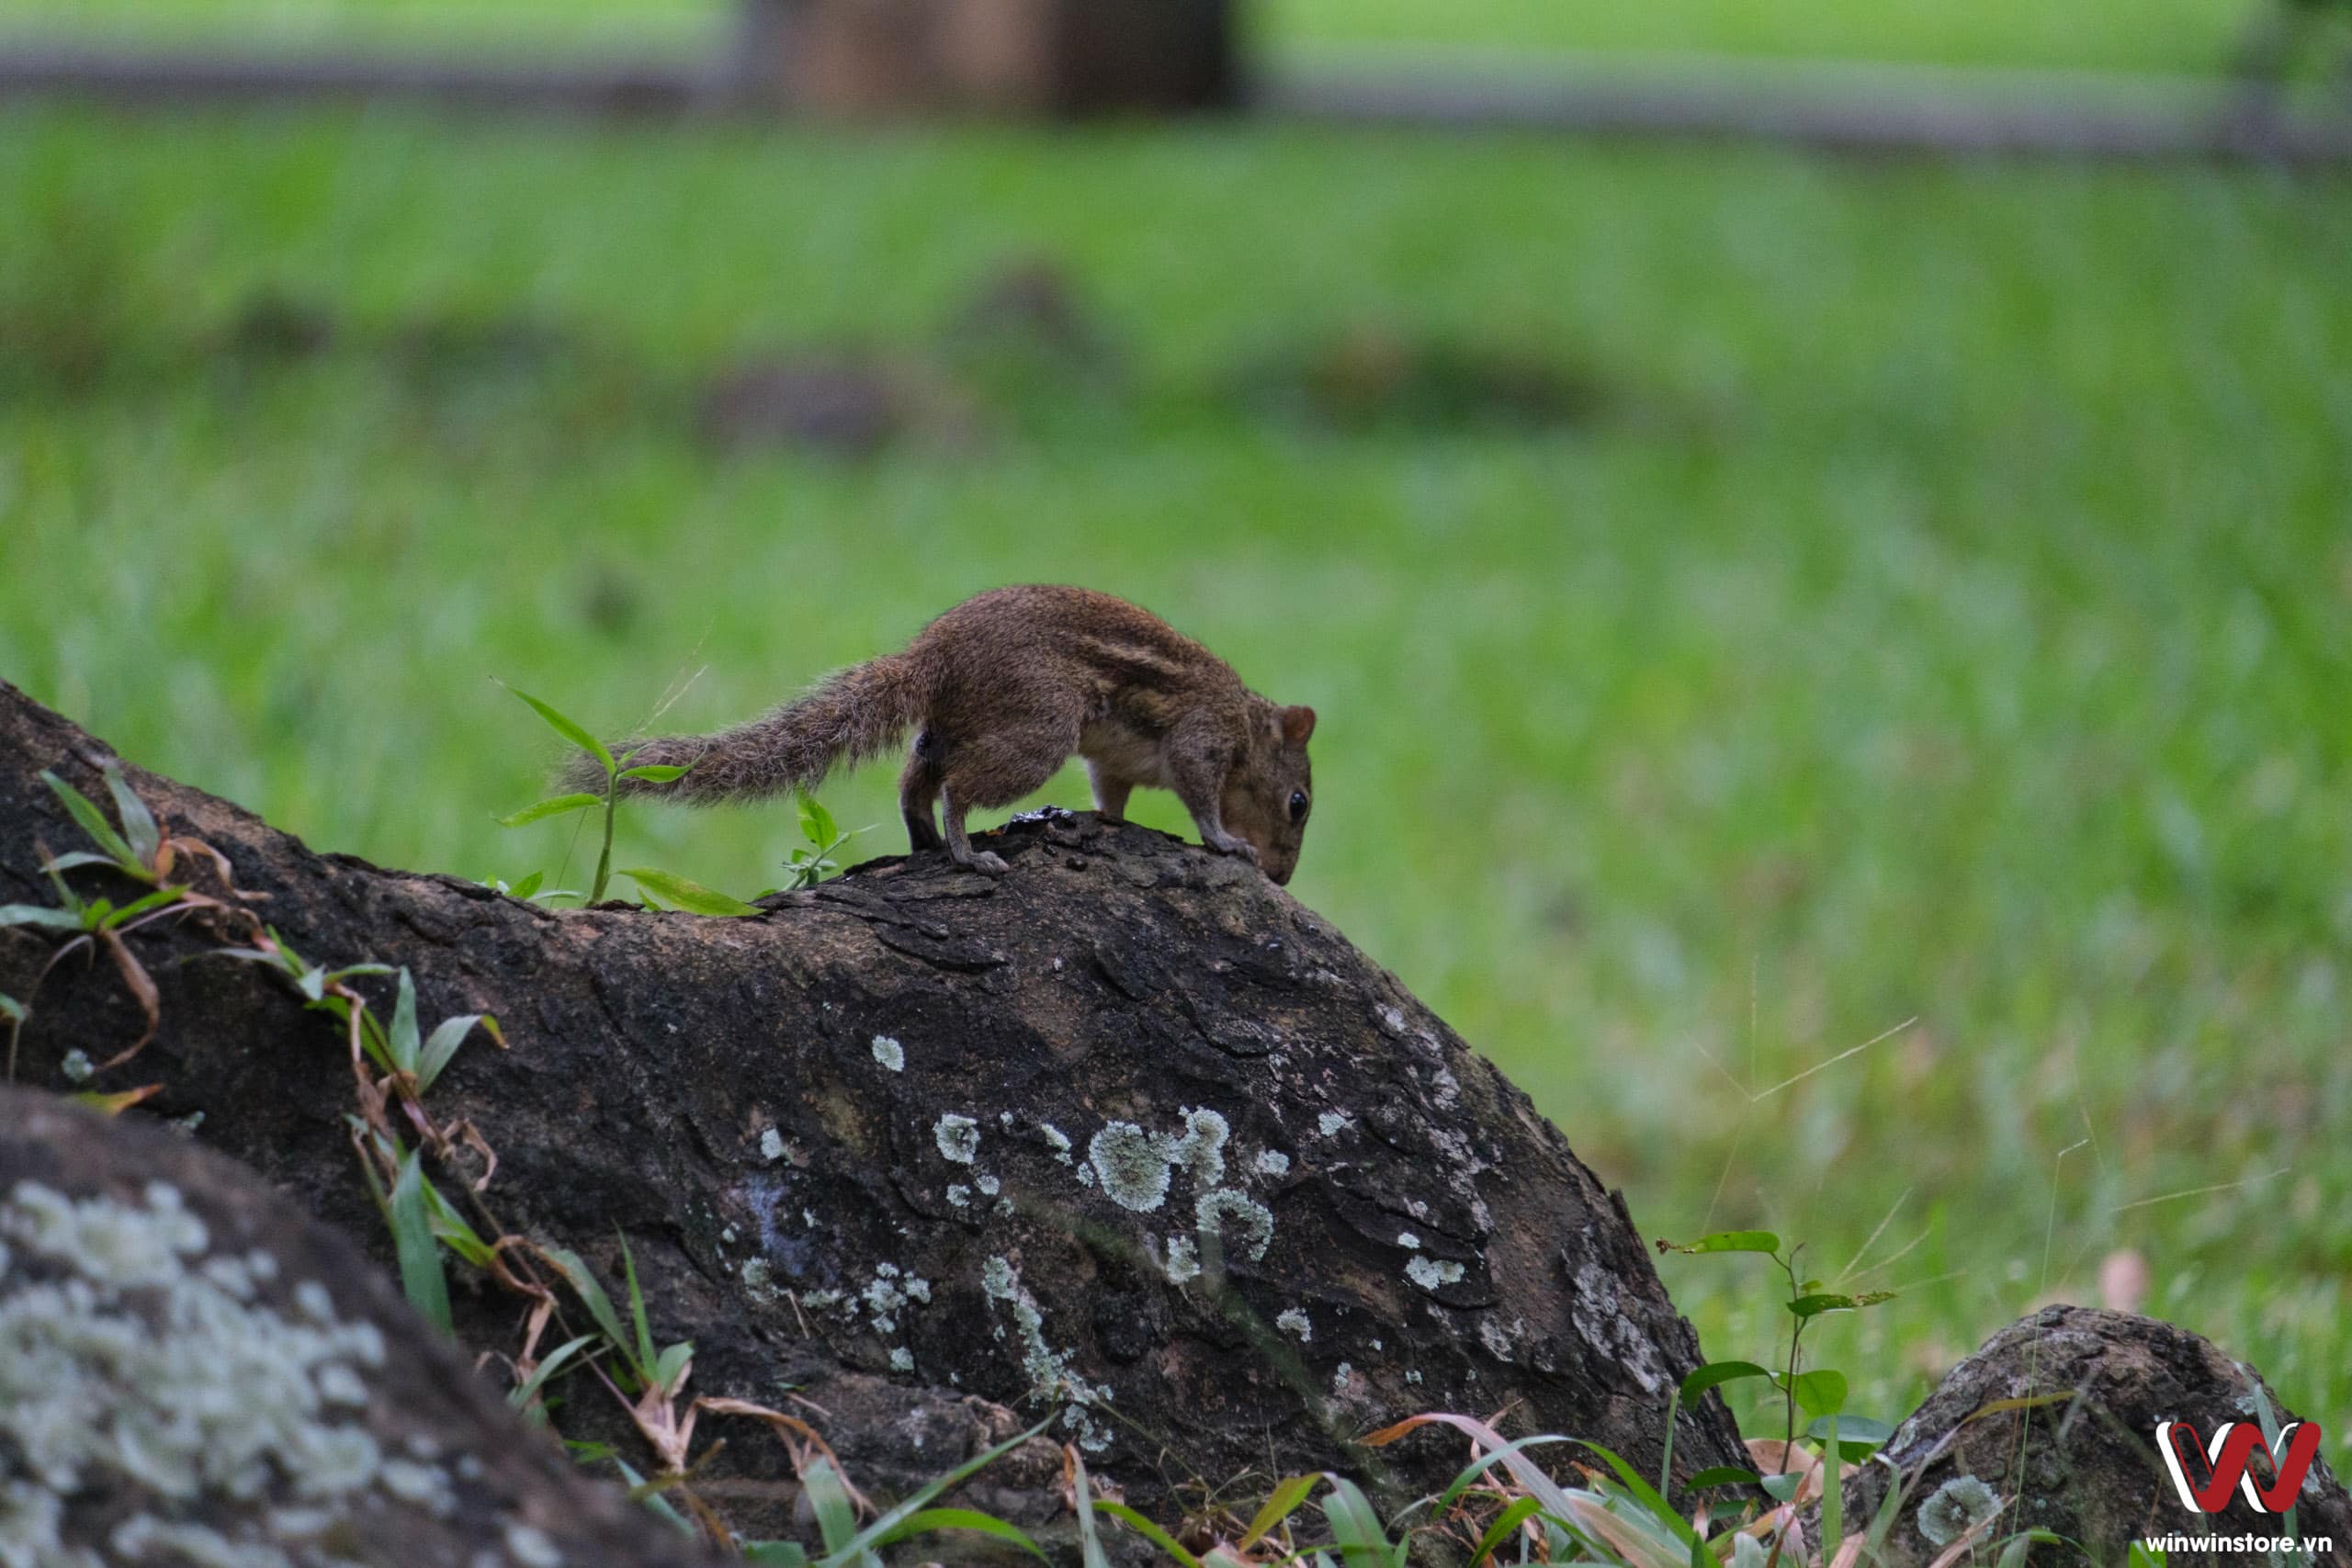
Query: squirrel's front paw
pixel 1240 849
pixel 986 861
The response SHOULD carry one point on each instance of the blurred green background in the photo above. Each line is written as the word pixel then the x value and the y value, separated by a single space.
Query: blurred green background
pixel 1754 599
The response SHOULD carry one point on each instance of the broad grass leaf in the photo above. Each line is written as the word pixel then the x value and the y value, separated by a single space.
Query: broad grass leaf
pixel 554 805
pixel 420 1255
pixel 568 728
pixel 691 896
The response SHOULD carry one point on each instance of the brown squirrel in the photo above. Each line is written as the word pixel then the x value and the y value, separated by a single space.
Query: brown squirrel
pixel 1000 691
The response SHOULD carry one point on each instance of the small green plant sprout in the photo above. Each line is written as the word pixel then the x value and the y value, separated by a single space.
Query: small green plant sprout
pixel 140 851
pixel 530 889
pixel 1818 1393
pixel 808 867
pixel 616 770
pixel 409 1059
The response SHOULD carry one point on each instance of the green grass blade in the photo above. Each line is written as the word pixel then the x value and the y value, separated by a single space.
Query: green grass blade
pixel 1355 1526
pixel 922 1497
pixel 657 773
pixel 568 728
pixel 1833 1496
pixel 40 915
pixel 554 805
pixel 647 1358
pixel 1479 1466
pixel 521 1395
pixel 1646 1494
pixel 93 822
pixel 931 1519
pixel 1090 1535
pixel 1727 1241
pixel 592 1296
pixel 654 1500
pixel 691 896
pixel 1148 1530
pixel 829 1499
pixel 441 1045
pixel 1280 1505
pixel 420 1255
pixel 76 858
pixel 400 1040
pixel 1505 1524
pixel 138 822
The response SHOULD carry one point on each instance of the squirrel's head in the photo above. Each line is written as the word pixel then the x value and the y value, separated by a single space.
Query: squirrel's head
pixel 1268 799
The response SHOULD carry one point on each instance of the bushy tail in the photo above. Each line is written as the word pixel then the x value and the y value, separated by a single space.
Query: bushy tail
pixel 848 716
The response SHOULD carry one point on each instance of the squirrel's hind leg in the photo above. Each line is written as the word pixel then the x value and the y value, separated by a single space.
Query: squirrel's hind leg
pixel 1110 791
pixel 997 769
pixel 919 787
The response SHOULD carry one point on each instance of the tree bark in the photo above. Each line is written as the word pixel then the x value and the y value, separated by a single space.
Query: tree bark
pixel 1127 1136
pixel 191 1369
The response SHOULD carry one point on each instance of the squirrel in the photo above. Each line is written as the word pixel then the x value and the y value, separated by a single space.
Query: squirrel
pixel 1000 691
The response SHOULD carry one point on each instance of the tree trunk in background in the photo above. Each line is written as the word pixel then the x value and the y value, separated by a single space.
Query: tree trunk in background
pixel 1127 1134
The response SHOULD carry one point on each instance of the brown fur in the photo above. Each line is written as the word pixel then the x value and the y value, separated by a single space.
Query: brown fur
pixel 1004 689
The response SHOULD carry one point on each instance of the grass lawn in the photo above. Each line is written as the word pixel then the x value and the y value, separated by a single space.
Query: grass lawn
pixel 1940 608
pixel 2190 37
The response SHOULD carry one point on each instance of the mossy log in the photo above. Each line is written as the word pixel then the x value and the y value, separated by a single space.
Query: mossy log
pixel 1127 1137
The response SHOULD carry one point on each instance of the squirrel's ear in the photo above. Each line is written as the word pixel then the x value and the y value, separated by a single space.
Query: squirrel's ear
pixel 1298 724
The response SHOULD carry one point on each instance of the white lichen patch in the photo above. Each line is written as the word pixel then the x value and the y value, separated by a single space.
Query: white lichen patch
pixel 1222 1206
pixel 759 1281
pixel 1201 1148
pixel 771 1145
pixel 959 1194
pixel 1294 1321
pixel 989 1185
pixel 1407 1240
pixel 130 1364
pixel 1272 1162
pixel 1047 1369
pixel 888 1294
pixel 1183 1263
pixel 1432 1273
pixel 1331 1123
pixel 1056 1140
pixel 959 1138
pixel 1956 1507
pixel 891 1053
pixel 77 1065
pixel 902 1360
pixel 531 1547
pixel 1134 1165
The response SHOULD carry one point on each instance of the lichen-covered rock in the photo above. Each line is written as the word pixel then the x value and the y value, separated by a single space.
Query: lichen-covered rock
pixel 191 1371
pixel 2083 1464
pixel 1128 1135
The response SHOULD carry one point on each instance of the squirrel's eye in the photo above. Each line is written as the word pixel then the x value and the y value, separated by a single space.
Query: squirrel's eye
pixel 1298 806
